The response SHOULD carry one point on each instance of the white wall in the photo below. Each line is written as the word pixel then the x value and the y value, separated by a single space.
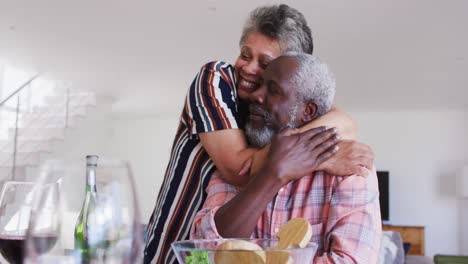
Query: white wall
pixel 421 149
pixel 144 141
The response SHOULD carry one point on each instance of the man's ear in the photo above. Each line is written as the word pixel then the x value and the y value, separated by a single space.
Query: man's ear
pixel 309 112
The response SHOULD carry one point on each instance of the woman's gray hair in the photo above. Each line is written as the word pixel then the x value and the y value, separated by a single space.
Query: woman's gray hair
pixel 282 23
pixel 314 81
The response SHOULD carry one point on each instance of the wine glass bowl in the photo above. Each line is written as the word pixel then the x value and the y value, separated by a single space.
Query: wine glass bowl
pixel 114 230
pixel 44 224
pixel 15 206
pixel 108 231
pixel 205 250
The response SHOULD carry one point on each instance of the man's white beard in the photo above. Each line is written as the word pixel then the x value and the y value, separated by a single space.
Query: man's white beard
pixel 259 137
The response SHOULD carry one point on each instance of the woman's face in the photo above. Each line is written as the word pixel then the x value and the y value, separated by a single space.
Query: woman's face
pixel 256 52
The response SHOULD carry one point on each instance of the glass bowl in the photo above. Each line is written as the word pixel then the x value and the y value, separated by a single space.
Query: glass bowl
pixel 205 251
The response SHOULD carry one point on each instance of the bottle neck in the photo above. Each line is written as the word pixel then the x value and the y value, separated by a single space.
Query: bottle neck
pixel 91 178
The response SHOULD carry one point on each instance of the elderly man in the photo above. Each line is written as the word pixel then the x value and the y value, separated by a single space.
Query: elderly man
pixel 343 211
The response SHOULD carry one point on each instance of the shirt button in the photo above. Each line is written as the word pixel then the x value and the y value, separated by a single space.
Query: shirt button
pixel 276 229
pixel 281 190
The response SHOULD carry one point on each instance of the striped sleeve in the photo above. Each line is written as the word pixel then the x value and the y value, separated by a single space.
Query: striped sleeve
pixel 211 102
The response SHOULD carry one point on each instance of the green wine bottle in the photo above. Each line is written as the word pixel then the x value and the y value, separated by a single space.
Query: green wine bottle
pixel 82 244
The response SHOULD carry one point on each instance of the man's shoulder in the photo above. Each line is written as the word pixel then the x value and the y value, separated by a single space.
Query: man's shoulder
pixel 354 190
pixel 368 182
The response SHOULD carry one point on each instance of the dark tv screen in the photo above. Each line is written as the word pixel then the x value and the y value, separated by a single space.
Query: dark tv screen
pixel 384 194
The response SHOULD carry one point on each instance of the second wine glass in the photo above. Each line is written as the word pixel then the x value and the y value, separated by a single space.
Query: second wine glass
pixel 105 231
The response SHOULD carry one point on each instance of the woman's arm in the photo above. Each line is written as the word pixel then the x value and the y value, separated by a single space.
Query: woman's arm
pixel 228 149
pixel 213 116
pixel 335 118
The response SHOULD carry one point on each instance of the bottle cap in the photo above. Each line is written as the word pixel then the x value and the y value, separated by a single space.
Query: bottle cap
pixel 92 160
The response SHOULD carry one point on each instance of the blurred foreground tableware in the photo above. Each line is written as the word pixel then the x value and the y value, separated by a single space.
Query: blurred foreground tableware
pixel 113 231
pixel 205 251
pixel 15 200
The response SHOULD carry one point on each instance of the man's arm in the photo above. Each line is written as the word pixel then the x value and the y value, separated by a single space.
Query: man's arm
pixel 286 162
pixel 353 228
pixel 218 192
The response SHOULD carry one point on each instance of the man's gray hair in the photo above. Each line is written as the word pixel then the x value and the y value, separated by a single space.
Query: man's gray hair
pixel 314 81
pixel 282 23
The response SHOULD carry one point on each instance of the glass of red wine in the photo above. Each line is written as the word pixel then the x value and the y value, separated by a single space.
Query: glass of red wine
pixel 15 208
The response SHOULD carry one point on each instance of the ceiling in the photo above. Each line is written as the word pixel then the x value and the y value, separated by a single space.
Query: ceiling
pixel 386 55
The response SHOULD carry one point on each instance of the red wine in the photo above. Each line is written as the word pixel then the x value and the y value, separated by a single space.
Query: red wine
pixel 11 247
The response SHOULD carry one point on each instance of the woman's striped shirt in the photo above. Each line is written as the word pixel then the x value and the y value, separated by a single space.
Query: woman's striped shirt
pixel 211 104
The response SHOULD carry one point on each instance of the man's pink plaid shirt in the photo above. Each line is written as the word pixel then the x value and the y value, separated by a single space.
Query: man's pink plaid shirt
pixel 344 213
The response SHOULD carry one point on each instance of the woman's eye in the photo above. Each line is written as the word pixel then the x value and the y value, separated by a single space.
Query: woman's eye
pixel 264 64
pixel 245 56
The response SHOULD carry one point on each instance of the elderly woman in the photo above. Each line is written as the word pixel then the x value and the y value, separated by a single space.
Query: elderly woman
pixel 210 135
